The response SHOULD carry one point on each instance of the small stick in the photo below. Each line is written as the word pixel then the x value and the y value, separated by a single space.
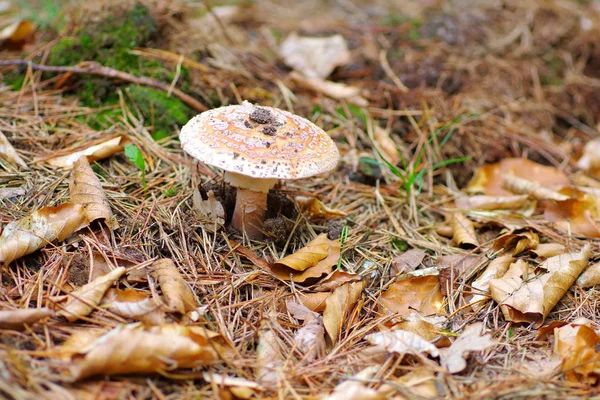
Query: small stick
pixel 94 68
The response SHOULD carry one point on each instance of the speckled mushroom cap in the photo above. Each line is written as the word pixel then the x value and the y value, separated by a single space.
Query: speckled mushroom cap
pixel 261 142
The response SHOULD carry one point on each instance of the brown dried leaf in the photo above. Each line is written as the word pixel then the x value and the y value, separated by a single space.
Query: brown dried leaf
pixel 452 267
pixel 470 340
pixel 310 338
pixel 590 277
pixel 517 242
pixel 402 342
pixel 407 262
pixel 524 297
pixel 334 280
pixel 8 152
pixel 82 301
pixel 314 260
pixel 339 305
pixel 178 295
pixel 269 358
pixel 93 153
pixel 18 319
pixel 315 301
pixel 420 294
pixel 535 190
pixel 355 389
pixel 15 35
pixel 335 90
pixel 490 178
pixel 547 250
pixel 427 327
pixel 576 215
pixel 495 270
pixel 130 349
pixel 35 231
pixel 464 232
pixel 130 303
pixel 85 189
pixel 482 202
pixel 577 346
pixel 590 160
pixel 315 207
pixel 420 383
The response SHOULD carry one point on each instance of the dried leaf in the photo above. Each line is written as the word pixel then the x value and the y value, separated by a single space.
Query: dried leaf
pixel 517 242
pixel 18 319
pixel 547 250
pixel 590 276
pixel 310 338
pixel 482 202
pixel 85 189
pixel 385 145
pixel 590 160
pixel 178 295
pixel 82 301
pixel 316 208
pixel 420 294
pixel 470 340
pixel 402 342
pixel 210 212
pixel 33 232
pixel 420 383
pixel 93 153
pixel 355 389
pixel 334 280
pixel 577 346
pixel 339 305
pixel 130 303
pixel 15 35
pixel 407 262
pixel 428 328
pixel 524 297
pixel 335 90
pixel 315 301
pixel 314 57
pixel 9 153
pixel 464 232
pixel 314 260
pixel 535 190
pixel 130 349
pixel 577 215
pixel 452 268
pixel 269 358
pixel 495 270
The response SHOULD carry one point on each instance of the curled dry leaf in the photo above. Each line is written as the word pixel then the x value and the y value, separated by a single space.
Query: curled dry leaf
pixel 590 277
pixel 85 189
pixel 483 202
pixel 524 297
pixel 547 250
pixel 334 280
pixel 517 242
pixel 316 208
pixel 355 389
pixel 33 232
pixel 481 286
pixel 93 153
pixel 210 212
pixel 339 305
pixel 470 340
pixel 178 295
pixel 420 294
pixel 407 262
pixel 490 178
pixel 18 319
pixel 314 57
pixel 402 342
pixel 533 189
pixel 82 301
pixel 577 345
pixel 310 338
pixel 315 301
pixel 8 153
pixel 464 232
pixel 133 304
pixel 577 215
pixel 312 261
pixel 335 90
pixel 131 349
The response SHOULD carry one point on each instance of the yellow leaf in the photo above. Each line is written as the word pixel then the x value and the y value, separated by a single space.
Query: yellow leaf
pixel 339 305
pixel 178 295
pixel 82 301
pixel 35 231
pixel 18 319
pixel 464 232
pixel 85 189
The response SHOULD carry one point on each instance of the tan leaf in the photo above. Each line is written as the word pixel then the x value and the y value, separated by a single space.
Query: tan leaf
pixel 35 231
pixel 314 57
pixel 402 342
pixel 421 294
pixel 535 190
pixel 210 212
pixel 407 261
pixel 82 301
pixel 464 232
pixel 524 297
pixel 93 153
pixel 310 338
pixel 317 258
pixel 482 202
pixel 269 357
pixel 420 383
pixel 339 305
pixel 577 346
pixel 384 143
pixel 130 349
pixel 177 293
pixel 496 269
pixel 428 328
pixel 130 303
pixel 316 208
pixel 19 318
pixel 334 280
pixel 517 242
pixel 576 215
pixel 355 389
pixel 470 340
pixel 590 276
pixel 85 189
pixel 15 35
pixel 335 90
pixel 490 178
pixel 8 152
pixel 590 160
pixel 452 267
pixel 315 301
pixel 547 250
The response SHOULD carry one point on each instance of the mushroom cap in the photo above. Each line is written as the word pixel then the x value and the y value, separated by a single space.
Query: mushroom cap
pixel 261 142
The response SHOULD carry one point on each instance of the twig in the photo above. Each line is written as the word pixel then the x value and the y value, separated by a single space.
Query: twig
pixel 94 68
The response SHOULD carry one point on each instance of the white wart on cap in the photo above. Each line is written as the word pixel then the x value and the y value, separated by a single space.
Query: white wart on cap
pixel 257 146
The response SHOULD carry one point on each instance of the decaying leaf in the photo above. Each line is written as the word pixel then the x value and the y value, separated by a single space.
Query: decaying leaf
pixel 85 189
pixel 35 231
pixel 452 267
pixel 210 212
pixel 428 328
pixel 420 384
pixel 577 215
pixel 315 301
pixel 334 280
pixel 355 389
pixel 178 295
pixel 577 345
pixel 547 250
pixel 310 338
pixel 312 261
pixel 496 269
pixel 131 349
pixel 335 90
pixel 18 319
pixel 82 301
pixel 590 277
pixel 316 208
pixel 464 232
pixel 469 340
pixel 402 342
pixel 130 303
pixel 8 152
pixel 407 261
pixel 15 35
pixel 314 57
pixel 420 294
pixel 482 202
pixel 518 242
pixel 93 153
pixel 525 297
pixel 269 357
pixel 339 305
pixel 533 189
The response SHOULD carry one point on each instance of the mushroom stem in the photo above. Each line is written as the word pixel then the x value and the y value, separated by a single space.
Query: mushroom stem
pixel 249 214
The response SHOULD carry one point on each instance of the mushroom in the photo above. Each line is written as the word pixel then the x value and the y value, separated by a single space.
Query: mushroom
pixel 257 146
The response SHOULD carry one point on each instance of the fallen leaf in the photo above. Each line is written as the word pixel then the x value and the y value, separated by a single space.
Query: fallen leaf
pixel 482 202
pixel 131 349
pixel 517 242
pixel 385 145
pixel 428 328
pixel 590 276
pixel 224 380
pixel 402 342
pixel 335 90
pixel 577 346
pixel 93 153
pixel 452 267
pixel 210 212
pixel 314 260
pixel 314 57
pixel 315 301
pixel 130 303
pixel 8 152
pixel 590 159
pixel 339 305
pixel 420 294
pixel 269 357
pixel 407 262
pixel 495 270
pixel 310 338
pixel 35 231
pixel 355 389
pixel 82 301
pixel 334 280
pixel 470 340
pixel 547 250
pixel 316 208
pixel 420 383
pixel 177 293
pixel 577 215
pixel 533 189
pixel 16 35
pixel 19 318
pixel 85 189
pixel 464 232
